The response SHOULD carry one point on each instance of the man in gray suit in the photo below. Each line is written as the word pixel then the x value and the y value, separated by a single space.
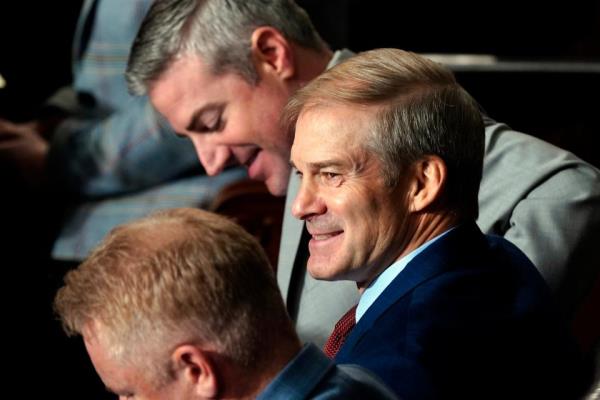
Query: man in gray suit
pixel 221 71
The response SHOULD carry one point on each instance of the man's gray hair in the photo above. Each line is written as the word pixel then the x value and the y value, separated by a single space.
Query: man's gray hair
pixel 420 110
pixel 219 31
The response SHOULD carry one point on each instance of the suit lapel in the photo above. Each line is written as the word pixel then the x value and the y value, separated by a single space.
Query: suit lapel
pixel 434 260
pixel 290 240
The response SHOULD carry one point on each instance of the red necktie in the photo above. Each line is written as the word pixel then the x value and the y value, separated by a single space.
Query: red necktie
pixel 340 332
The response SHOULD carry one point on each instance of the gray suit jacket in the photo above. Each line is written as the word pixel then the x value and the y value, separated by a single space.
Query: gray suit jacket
pixel 542 198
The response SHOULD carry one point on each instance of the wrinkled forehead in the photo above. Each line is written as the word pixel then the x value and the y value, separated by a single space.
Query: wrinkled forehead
pixel 332 132
pixel 348 126
pixel 188 85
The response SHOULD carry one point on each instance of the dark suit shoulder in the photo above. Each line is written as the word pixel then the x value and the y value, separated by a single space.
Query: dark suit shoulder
pixel 467 315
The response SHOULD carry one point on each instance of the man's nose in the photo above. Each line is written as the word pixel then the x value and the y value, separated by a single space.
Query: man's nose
pixel 307 202
pixel 214 158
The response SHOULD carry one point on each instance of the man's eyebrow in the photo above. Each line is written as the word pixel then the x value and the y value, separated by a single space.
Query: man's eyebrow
pixel 209 107
pixel 326 164
pixel 317 165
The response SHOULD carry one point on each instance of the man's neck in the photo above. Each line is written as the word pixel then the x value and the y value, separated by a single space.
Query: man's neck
pixel 423 228
pixel 249 386
pixel 428 227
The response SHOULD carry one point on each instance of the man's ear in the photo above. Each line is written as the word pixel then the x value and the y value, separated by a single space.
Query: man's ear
pixel 272 52
pixel 195 366
pixel 429 178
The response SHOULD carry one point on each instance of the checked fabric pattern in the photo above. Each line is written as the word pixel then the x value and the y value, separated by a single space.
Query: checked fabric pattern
pixel 340 332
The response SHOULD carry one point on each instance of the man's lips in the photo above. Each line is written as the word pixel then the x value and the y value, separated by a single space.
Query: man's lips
pixel 324 243
pixel 325 236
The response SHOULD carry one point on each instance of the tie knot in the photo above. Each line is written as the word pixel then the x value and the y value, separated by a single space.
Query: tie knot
pixel 340 333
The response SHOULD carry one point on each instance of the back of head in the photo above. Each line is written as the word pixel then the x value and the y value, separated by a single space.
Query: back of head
pixel 421 110
pixel 182 275
pixel 218 31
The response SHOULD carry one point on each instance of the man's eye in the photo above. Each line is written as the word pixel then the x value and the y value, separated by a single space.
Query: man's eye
pixel 210 121
pixel 213 124
pixel 331 178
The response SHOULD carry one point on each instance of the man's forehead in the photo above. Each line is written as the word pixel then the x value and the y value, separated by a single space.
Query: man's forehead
pixel 334 126
pixel 181 97
pixel 186 75
pixel 339 154
pixel 187 62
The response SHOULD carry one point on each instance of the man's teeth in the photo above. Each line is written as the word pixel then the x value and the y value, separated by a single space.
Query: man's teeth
pixel 324 236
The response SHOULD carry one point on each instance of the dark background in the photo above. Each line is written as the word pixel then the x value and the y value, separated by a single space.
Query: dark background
pixel 561 107
pixel 35 40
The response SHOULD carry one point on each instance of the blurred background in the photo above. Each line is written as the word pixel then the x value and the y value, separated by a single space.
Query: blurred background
pixel 545 82
pixel 537 68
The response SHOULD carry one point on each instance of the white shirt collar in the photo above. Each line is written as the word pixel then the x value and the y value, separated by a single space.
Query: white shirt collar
pixel 387 276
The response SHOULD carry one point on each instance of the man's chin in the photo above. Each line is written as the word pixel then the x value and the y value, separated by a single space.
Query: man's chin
pixel 321 271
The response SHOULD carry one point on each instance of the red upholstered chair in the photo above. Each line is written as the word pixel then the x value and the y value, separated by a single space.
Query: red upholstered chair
pixel 251 205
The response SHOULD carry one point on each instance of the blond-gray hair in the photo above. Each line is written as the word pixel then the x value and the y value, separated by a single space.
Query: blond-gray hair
pixel 182 275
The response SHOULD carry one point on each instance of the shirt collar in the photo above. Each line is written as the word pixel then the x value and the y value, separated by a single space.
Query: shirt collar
pixel 387 276
pixel 338 57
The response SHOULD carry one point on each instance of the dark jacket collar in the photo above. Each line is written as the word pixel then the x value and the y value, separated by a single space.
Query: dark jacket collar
pixel 464 242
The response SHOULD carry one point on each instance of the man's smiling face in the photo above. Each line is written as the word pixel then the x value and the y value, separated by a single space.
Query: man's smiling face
pixel 357 223
pixel 229 120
